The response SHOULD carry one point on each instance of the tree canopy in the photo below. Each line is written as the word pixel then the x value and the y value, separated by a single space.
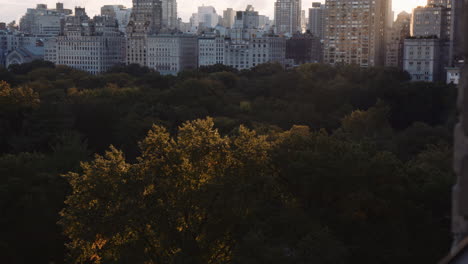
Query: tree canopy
pixel 316 164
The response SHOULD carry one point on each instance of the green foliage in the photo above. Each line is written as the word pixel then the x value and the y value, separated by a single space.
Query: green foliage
pixel 340 165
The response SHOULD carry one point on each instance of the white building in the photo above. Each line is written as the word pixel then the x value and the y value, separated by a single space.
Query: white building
pixel 172 53
pixel 453 75
pixel 92 45
pixel 421 59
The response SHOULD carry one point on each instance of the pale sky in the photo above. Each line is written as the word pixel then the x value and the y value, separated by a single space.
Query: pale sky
pixel 14 9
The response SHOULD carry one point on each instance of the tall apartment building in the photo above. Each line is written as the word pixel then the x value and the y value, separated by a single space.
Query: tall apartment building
pixel 288 16
pixel 118 12
pixel 228 17
pixel 317 20
pixel 422 58
pixel 92 45
pixel 355 32
pixel 172 53
pixel 395 43
pixel 43 21
pixel 146 18
pixel 169 14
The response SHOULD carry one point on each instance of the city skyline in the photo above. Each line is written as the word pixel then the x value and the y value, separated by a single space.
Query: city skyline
pixel 186 7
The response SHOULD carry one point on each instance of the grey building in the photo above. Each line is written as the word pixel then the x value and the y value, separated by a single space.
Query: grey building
pixel 172 53
pixel 288 16
pixel 317 20
pixel 211 49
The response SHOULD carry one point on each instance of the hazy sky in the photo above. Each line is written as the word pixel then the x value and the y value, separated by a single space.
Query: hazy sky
pixel 13 9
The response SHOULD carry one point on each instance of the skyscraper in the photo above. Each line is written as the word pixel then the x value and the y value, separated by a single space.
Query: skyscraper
pixel 169 14
pixel 316 19
pixel 288 16
pixel 355 32
pixel 146 18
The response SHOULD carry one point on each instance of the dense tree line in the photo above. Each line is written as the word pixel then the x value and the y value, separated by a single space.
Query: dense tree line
pixel 316 164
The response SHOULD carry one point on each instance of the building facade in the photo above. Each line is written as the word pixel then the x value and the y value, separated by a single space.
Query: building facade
pixel 288 16
pixel 355 32
pixel 422 58
pixel 211 49
pixel 172 53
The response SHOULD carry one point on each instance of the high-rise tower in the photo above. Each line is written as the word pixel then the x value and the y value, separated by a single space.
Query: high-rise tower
pixel 355 31
pixel 288 16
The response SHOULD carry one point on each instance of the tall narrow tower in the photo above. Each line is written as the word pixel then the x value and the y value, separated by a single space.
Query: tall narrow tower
pixel 146 18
